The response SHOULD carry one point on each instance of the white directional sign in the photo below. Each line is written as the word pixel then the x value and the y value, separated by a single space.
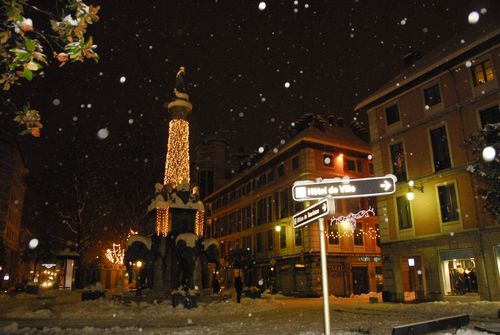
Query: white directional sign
pixel 312 213
pixel 343 188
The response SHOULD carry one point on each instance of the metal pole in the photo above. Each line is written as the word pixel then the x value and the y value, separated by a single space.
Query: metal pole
pixel 324 277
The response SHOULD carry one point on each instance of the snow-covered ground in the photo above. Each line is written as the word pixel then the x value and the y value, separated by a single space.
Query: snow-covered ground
pixel 62 312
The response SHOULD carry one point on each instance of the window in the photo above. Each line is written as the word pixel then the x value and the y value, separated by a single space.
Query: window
pixel 222 250
pixel 258 242
pixel 392 114
pixel 269 209
pixel 482 73
pixel 295 163
pixel 327 160
pixel 359 165
pixel 370 168
pixel 440 149
pixel 350 164
pixel 404 212
pixel 281 169
pixel 270 239
pixel 283 237
pixel 333 234
pixel 377 236
pixel 284 201
pixel 398 161
pixel 270 175
pixel 358 234
pixel 489 115
pixel 432 96
pixel 261 212
pixel 247 242
pixel 298 237
pixel 448 203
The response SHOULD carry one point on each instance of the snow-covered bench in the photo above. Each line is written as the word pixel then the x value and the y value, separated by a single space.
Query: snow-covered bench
pixel 429 326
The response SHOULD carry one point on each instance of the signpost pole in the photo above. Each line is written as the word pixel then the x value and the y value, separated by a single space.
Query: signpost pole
pixel 324 277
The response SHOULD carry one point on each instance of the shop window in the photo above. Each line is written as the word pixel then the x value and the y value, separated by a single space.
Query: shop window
pixel 432 96
pixel 404 212
pixel 448 203
pixel 398 161
pixel 440 150
pixel 392 114
pixel 482 73
pixel 489 115
pixel 460 276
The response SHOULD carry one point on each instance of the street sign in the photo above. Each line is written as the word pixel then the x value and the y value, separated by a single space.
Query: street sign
pixel 304 190
pixel 312 213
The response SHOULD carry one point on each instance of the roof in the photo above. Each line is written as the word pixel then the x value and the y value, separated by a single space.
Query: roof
pixel 440 59
pixel 331 138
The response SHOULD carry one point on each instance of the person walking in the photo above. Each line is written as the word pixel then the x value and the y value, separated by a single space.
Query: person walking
pixel 238 286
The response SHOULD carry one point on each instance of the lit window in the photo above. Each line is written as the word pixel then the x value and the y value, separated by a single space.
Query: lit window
pixel 482 73
pixel 398 161
pixel 404 212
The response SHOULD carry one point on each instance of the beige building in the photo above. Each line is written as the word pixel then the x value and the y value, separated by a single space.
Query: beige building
pixel 12 188
pixel 442 242
pixel 251 216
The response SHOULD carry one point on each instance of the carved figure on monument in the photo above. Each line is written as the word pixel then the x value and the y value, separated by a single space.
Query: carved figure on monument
pixel 179 81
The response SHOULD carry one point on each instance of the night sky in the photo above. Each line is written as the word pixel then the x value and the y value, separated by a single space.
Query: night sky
pixel 250 72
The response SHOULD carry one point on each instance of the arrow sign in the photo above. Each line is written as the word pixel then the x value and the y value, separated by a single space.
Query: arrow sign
pixel 303 190
pixel 312 213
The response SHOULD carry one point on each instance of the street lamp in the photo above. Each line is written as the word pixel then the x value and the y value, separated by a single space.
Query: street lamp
pixel 411 186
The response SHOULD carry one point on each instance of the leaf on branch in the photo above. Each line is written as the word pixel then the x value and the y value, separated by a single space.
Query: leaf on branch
pixel 27 73
pixel 4 36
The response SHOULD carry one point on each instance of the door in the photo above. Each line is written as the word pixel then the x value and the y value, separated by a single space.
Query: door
pixel 360 283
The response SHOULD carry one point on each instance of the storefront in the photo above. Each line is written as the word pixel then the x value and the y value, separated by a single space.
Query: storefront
pixel 458 269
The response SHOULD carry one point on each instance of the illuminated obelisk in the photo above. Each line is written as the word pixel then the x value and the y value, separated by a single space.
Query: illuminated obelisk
pixel 176 200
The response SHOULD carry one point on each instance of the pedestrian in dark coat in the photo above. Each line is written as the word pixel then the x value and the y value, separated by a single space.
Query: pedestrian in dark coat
pixel 238 286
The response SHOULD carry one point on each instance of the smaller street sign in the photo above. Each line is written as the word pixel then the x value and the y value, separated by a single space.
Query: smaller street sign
pixel 312 213
pixel 304 190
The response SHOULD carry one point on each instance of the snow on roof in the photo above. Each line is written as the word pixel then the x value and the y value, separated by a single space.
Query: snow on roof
pixel 189 238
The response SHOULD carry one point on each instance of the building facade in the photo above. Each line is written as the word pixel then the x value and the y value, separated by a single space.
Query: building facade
pixel 251 217
pixel 12 188
pixel 442 242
